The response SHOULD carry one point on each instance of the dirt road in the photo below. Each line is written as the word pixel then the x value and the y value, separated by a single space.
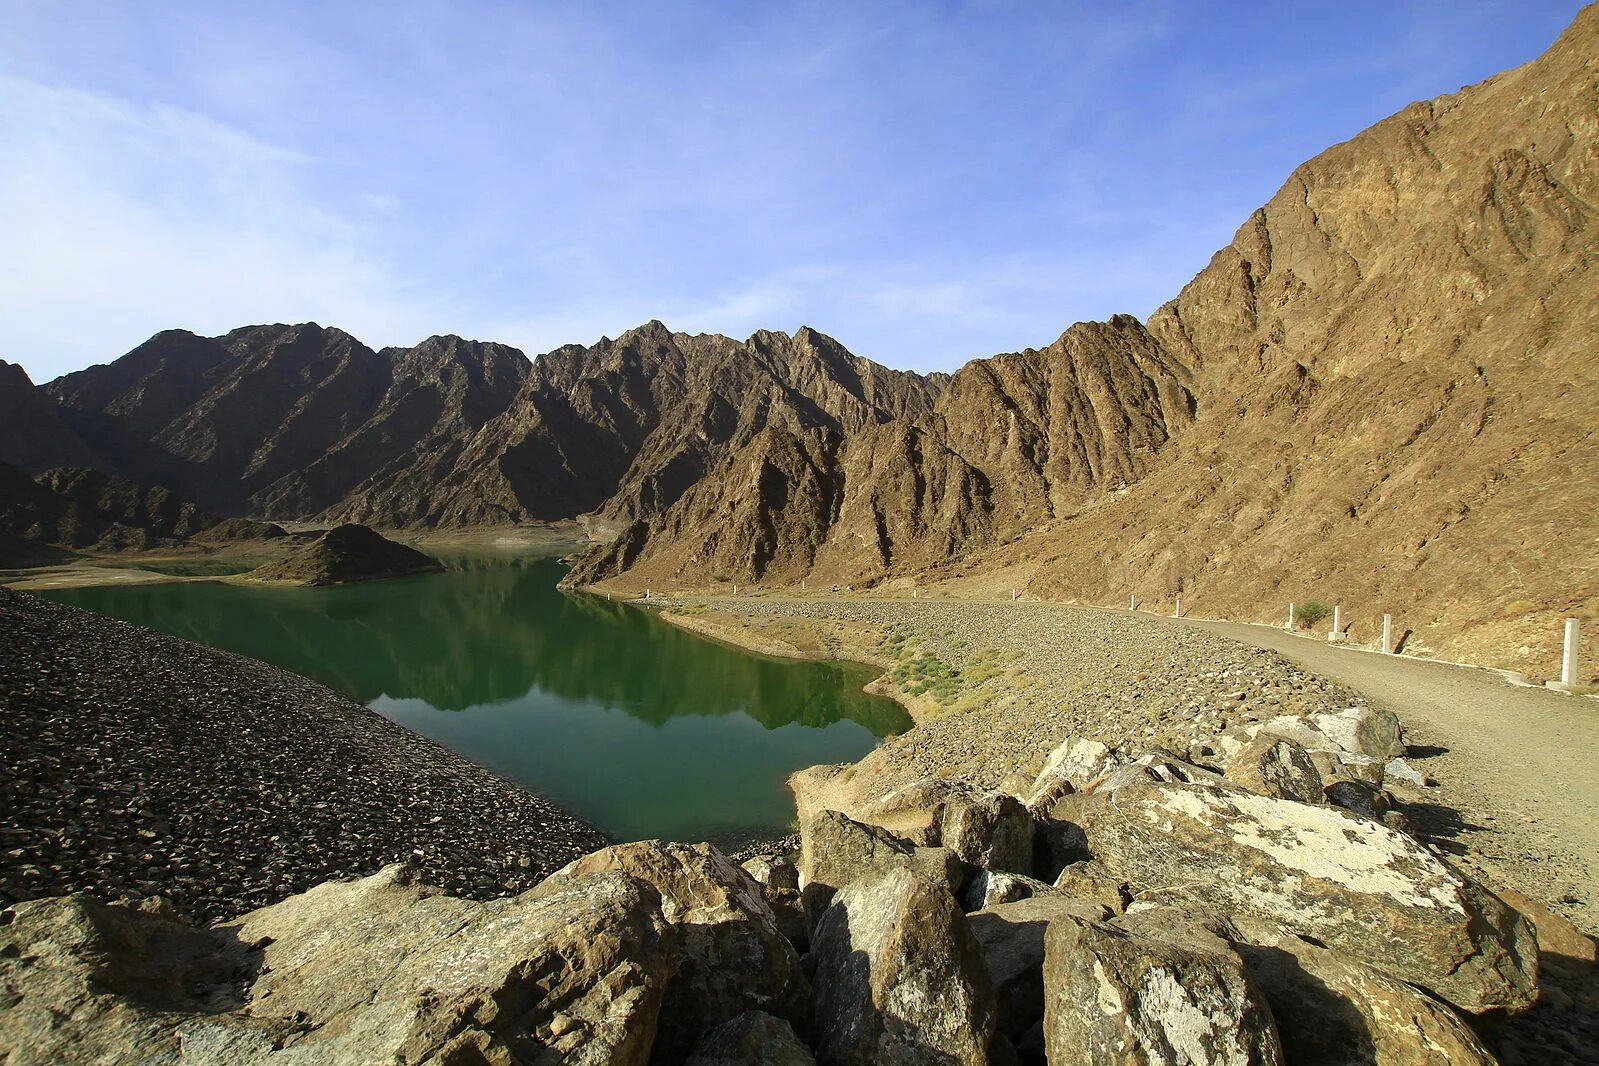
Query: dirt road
pixel 1519 767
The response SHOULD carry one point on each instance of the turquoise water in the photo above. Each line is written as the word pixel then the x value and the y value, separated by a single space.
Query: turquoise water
pixel 628 722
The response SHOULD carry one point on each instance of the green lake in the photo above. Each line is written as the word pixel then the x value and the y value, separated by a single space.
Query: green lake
pixel 626 721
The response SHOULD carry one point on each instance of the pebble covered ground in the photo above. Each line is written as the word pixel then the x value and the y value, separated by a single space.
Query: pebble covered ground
pixel 133 765
pixel 1023 677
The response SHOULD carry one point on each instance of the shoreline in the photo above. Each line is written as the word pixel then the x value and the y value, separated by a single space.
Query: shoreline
pixel 140 765
pixel 947 738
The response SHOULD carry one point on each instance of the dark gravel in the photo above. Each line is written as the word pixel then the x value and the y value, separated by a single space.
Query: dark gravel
pixel 134 764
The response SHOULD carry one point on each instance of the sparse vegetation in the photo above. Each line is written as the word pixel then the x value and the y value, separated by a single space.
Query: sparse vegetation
pixel 1310 612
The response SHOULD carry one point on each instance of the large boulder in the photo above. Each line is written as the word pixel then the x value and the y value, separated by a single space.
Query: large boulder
pixel 386 969
pixel 752 1039
pixel 988 829
pixel 1071 767
pixel 1276 766
pixel 899 977
pixel 1011 936
pixel 732 955
pixel 1334 1011
pixel 1112 995
pixel 383 969
pixel 83 982
pixel 780 884
pixel 836 850
pixel 1322 873
pixel 1364 731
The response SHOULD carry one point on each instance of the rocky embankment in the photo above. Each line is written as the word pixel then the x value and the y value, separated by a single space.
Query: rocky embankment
pixel 133 764
pixel 1115 909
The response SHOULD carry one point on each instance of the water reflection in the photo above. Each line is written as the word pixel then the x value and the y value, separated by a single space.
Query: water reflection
pixel 632 723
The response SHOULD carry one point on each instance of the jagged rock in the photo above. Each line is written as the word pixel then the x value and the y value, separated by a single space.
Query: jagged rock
pixel 1299 730
pixel 1157 766
pixel 1058 839
pixel 1069 768
pixel 1089 880
pixel 836 850
pixel 347 553
pixel 989 829
pixel 384 967
pixel 732 956
pixel 1365 731
pixel 1275 766
pixel 1115 996
pixel 780 884
pixel 1557 938
pixel 752 1039
pixel 1400 770
pixel 1361 797
pixel 1334 1011
pixel 899 977
pixel 83 982
pixel 1320 872
pixel 1011 936
pixel 376 970
pixel 990 888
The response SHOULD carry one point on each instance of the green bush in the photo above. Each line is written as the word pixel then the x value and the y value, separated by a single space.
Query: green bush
pixel 1310 612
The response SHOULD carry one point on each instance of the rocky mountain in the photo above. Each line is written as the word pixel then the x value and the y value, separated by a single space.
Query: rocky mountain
pixel 33 434
pixel 78 508
pixel 283 421
pixel 307 422
pixel 1379 393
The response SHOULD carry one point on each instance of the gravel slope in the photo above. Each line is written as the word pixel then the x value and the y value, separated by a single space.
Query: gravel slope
pixel 134 764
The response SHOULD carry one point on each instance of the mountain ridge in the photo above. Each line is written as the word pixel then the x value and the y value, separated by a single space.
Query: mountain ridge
pixel 1374 393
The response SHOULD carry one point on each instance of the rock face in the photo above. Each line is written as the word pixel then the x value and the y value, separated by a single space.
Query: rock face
pixel 1322 873
pixel 303 421
pixel 732 957
pixel 1356 387
pixel 899 977
pixel 752 1039
pixel 33 435
pixel 1333 1011
pixel 1276 766
pixel 345 554
pixel 378 970
pixel 82 508
pixel 1112 996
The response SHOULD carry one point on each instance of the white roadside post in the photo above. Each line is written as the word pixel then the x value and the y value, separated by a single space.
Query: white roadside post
pixel 1338 624
pixel 1568 655
pixel 1178 613
pixel 1388 634
pixel 1132 603
pixel 1290 625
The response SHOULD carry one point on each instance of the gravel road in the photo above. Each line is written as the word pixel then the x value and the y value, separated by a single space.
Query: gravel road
pixel 133 764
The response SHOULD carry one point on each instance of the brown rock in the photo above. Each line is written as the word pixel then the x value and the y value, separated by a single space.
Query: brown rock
pixel 732 956
pixel 1274 766
pixel 1334 1011
pixel 899 977
pixel 1348 882
pixel 1113 996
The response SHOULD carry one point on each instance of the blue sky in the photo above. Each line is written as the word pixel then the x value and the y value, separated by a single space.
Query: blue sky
pixel 927 182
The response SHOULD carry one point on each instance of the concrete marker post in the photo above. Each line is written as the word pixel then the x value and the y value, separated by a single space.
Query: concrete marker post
pixel 1338 621
pixel 1388 634
pixel 1132 603
pixel 1178 613
pixel 1290 624
pixel 1568 654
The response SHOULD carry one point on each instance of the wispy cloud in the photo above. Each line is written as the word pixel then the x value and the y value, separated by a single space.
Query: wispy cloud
pixel 928 183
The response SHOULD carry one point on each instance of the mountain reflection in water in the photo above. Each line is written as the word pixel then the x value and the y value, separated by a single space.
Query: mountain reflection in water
pixel 633 724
